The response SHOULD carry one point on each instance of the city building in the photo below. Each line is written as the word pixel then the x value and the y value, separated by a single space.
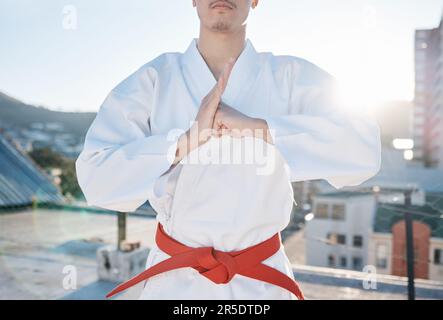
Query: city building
pixel 338 234
pixel 355 229
pixel 428 108
pixel 387 243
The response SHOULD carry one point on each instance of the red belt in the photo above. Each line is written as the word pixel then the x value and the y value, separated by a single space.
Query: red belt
pixel 218 266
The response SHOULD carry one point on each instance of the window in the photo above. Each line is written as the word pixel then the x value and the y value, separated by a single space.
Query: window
pixel 336 238
pixel 438 256
pixel 357 241
pixel 338 212
pixel 341 239
pixel 331 261
pixel 321 211
pixel 332 239
pixel 357 263
pixel 343 262
pixel 381 258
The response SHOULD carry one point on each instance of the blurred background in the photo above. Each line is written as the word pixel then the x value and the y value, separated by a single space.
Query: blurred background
pixel 59 60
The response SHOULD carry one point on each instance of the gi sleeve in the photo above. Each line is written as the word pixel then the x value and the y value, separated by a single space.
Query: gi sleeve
pixel 319 138
pixel 121 159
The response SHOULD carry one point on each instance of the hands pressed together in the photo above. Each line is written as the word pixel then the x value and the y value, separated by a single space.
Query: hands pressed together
pixel 215 118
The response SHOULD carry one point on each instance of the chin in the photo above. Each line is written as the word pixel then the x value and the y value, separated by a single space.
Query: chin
pixel 221 25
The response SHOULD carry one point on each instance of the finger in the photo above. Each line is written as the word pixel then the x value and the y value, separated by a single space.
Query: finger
pixel 217 91
pixel 217 132
pixel 213 98
pixel 228 69
pixel 224 76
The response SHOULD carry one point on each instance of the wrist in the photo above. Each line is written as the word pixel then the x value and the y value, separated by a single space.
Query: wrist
pixel 182 146
pixel 261 129
pixel 187 142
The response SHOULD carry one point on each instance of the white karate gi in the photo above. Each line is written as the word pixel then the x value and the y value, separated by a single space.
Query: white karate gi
pixel 227 206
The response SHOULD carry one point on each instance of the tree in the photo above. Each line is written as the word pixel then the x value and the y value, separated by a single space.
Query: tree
pixel 47 159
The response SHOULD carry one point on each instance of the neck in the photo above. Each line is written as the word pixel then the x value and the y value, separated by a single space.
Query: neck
pixel 217 47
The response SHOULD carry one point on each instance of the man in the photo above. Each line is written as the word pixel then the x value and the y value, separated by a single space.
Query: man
pixel 219 221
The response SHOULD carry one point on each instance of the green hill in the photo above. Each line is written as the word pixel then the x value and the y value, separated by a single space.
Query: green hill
pixel 16 114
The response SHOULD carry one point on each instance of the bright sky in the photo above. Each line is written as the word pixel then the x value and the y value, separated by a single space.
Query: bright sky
pixel 366 44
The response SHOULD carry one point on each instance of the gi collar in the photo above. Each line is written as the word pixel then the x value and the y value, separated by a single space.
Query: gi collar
pixel 198 76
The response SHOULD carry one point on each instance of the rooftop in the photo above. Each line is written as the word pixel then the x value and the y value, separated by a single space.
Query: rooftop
pixel 389 214
pixel 344 194
pixel 37 244
pixel 21 179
